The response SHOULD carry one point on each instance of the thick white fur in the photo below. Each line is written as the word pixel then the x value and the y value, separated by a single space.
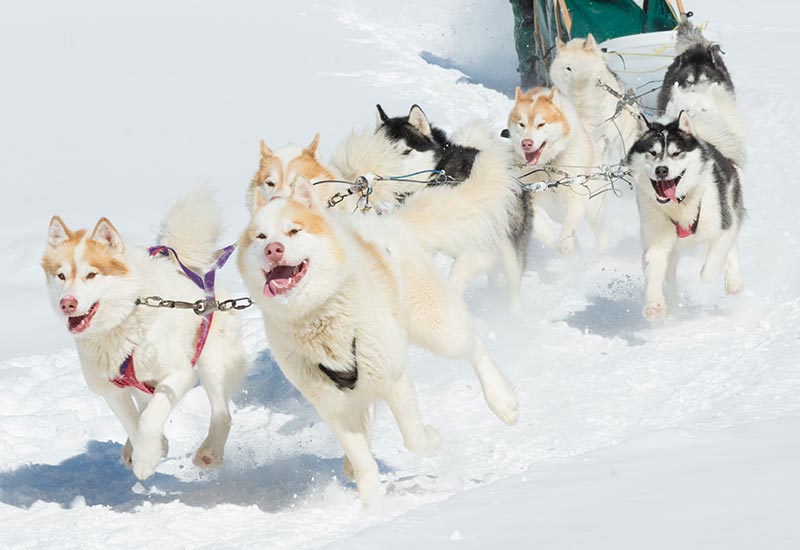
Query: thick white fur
pixel 360 153
pixel 659 236
pixel 715 117
pixel 368 279
pixel 162 340
pixel 572 152
pixel 578 67
pixel 468 221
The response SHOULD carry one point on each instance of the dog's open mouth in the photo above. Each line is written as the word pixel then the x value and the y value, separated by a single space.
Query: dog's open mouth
pixel 79 323
pixel 666 189
pixel 532 157
pixel 283 278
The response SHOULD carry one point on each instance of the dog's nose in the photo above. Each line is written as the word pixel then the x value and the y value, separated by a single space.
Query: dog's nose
pixel 68 305
pixel 527 145
pixel 274 252
pixel 662 172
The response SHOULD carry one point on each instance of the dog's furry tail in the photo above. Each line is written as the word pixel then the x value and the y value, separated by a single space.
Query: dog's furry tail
pixel 689 35
pixel 192 227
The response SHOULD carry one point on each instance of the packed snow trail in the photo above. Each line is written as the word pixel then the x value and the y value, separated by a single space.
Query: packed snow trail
pixel 109 123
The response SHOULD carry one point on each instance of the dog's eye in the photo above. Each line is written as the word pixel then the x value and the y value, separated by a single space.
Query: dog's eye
pixel 91 275
pixel 653 154
pixel 61 276
pixel 677 154
pixel 269 184
pixel 521 124
pixel 540 125
pixel 407 152
pixel 569 69
pixel 293 232
pixel 261 236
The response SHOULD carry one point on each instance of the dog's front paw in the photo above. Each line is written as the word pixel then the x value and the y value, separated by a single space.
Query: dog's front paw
pixel 429 445
pixel 127 455
pixel 146 458
pixel 566 246
pixel 655 309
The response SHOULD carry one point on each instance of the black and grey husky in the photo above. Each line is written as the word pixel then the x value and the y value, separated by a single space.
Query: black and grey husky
pixel 698 65
pixel 478 215
pixel 688 194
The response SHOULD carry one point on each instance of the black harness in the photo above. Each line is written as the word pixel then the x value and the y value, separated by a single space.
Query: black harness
pixel 343 379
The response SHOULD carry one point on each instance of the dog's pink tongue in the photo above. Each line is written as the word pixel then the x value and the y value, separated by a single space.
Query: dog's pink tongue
pixel 278 281
pixel 669 191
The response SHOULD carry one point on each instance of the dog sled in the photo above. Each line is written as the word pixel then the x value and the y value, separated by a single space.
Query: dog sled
pixel 640 40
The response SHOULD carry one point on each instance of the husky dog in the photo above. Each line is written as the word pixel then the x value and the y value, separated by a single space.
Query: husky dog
pixel 698 65
pixel 95 279
pixel 277 171
pixel 546 132
pixel 580 72
pixel 477 217
pixel 688 194
pixel 714 116
pixel 342 297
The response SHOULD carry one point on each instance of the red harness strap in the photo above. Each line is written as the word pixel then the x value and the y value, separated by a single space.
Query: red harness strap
pixel 127 372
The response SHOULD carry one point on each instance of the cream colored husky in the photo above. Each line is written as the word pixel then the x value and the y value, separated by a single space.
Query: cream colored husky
pixel 342 298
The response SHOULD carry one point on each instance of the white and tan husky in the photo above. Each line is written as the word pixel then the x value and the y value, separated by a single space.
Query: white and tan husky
pixel 546 133
pixel 342 298
pixel 581 73
pixel 95 279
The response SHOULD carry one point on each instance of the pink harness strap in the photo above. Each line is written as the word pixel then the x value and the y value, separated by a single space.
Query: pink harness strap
pixel 127 372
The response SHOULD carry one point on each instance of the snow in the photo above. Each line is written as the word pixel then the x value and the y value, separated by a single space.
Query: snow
pixel 677 435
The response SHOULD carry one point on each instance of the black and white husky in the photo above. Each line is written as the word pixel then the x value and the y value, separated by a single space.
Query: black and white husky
pixel 688 194
pixel 478 216
pixel 698 65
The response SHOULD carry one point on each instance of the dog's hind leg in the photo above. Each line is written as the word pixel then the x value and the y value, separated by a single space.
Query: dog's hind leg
pixel 718 251
pixel 512 270
pixel 733 280
pixel 468 266
pixel 418 438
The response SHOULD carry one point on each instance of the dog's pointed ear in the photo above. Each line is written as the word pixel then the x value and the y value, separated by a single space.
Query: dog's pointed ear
pixel 256 197
pixel 642 124
pixel 381 116
pixel 58 232
pixel 590 44
pixel 312 148
pixel 417 119
pixel 266 152
pixel 518 94
pixel 560 44
pixel 303 192
pixel 106 234
pixel 685 123
pixel 554 95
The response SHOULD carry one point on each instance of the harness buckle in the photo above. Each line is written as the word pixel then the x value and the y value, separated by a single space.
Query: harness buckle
pixel 203 307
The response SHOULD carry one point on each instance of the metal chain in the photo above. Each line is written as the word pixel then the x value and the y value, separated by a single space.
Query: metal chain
pixel 199 307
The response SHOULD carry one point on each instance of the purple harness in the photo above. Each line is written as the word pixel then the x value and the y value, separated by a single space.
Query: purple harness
pixel 127 373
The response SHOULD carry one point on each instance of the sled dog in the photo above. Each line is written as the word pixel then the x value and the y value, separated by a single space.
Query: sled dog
pixel 698 64
pixel 478 216
pixel 688 194
pixel 342 297
pixel 549 140
pixel 140 359
pixel 580 72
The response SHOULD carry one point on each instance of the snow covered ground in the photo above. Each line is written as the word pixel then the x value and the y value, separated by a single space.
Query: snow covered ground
pixel 681 435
